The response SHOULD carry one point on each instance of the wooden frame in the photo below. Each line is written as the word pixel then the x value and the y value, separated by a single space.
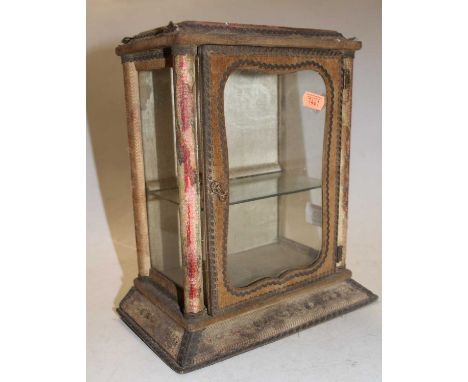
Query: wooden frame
pixel 222 61
pixel 182 324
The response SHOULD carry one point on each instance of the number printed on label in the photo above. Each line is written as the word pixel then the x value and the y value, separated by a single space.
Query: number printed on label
pixel 313 101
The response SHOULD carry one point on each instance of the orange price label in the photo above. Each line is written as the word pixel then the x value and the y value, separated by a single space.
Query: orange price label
pixel 313 101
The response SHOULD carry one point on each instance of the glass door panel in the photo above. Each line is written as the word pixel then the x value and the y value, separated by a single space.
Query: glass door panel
pixel 275 146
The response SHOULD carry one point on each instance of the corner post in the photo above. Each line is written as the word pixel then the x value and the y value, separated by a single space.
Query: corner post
pixel 347 75
pixel 184 62
pixel 135 148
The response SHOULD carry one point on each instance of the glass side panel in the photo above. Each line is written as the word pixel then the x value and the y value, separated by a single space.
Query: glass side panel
pixel 275 147
pixel 157 124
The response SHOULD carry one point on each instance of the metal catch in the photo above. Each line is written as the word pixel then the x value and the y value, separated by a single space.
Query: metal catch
pixel 346 78
pixel 217 189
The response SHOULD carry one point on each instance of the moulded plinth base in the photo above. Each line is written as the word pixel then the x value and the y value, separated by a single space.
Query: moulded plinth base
pixel 186 347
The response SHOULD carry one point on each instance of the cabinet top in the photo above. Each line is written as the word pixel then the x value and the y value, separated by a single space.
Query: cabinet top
pixel 202 33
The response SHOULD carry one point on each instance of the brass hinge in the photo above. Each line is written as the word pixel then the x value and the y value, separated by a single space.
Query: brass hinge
pixel 346 78
pixel 339 254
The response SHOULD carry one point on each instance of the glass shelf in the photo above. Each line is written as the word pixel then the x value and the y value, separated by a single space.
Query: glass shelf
pixel 265 186
pixel 251 188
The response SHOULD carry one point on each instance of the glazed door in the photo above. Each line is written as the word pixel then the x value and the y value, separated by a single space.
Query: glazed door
pixel 271 169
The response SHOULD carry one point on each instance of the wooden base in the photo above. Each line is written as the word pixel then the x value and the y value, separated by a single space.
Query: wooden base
pixel 186 344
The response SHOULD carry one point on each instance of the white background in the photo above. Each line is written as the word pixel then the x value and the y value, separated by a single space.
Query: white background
pixel 349 347
pixel 43 275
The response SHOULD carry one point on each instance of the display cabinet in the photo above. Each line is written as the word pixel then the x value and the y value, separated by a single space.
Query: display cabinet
pixel 239 140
